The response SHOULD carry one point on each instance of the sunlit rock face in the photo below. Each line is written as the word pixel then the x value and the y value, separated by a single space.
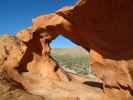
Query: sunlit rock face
pixel 103 27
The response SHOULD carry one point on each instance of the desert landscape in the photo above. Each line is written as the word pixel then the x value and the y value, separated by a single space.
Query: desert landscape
pixel 99 68
pixel 66 59
pixel 72 59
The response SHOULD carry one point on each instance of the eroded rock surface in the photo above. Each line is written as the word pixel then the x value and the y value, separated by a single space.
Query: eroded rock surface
pixel 103 28
pixel 11 53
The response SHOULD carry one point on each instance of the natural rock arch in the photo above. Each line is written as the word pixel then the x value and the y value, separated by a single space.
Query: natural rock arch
pixel 111 55
pixel 74 27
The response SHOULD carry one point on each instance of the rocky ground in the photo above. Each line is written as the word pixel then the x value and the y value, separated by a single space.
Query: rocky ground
pixel 79 88
pixel 10 91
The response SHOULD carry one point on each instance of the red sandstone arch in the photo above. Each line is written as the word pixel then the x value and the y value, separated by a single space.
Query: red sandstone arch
pixel 104 28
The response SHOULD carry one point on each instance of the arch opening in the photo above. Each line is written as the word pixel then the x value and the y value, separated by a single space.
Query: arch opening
pixel 70 56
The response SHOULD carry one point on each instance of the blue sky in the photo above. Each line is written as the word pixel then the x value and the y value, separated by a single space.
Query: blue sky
pixel 16 15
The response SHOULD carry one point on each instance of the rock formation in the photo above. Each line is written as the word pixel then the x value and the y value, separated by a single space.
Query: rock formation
pixel 104 28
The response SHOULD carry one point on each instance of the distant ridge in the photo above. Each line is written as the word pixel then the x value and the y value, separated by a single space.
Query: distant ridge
pixel 75 52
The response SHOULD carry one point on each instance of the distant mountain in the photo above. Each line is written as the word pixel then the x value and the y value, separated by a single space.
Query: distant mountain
pixel 74 60
pixel 74 52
